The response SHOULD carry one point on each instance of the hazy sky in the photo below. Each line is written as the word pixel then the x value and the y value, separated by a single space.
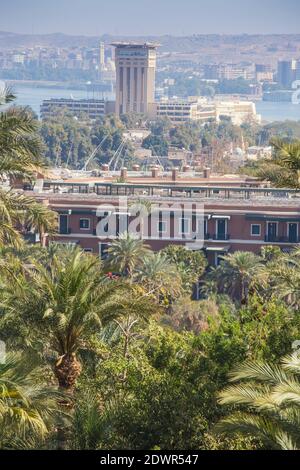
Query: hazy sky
pixel 145 17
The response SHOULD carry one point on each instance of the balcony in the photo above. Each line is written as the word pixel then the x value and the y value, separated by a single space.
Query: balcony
pixel 275 239
pixel 65 231
pixel 221 237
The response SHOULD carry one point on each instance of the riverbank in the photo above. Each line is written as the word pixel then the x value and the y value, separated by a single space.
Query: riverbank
pixel 53 85
pixel 33 96
pixel 32 93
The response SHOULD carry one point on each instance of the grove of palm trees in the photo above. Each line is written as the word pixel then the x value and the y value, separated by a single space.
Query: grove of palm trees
pixel 116 354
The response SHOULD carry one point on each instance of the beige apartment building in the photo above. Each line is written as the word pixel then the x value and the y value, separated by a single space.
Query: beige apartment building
pixel 200 109
pixel 135 76
pixel 180 111
pixel 238 111
pixel 177 111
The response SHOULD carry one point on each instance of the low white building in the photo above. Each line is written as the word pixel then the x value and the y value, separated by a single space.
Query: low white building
pixel 256 152
pixel 238 111
pixel 204 110
pixel 183 110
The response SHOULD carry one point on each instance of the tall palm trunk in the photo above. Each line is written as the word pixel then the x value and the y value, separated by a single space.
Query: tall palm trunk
pixel 244 291
pixel 42 238
pixel 67 370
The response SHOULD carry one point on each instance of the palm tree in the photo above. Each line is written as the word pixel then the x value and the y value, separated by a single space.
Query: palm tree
pixel 74 302
pixel 59 305
pixel 20 148
pixel 39 218
pixel 92 420
pixel 159 276
pixel 280 277
pixel 20 214
pixel 20 157
pixel 235 274
pixel 283 170
pixel 190 264
pixel 88 423
pixel 269 397
pixel 126 253
pixel 65 302
pixel 28 407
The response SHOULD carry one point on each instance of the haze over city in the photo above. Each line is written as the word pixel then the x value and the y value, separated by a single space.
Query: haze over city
pixel 149 230
pixel 142 17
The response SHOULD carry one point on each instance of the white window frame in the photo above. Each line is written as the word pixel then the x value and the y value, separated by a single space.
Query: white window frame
pixel 89 221
pixel 267 231
pixel 253 234
pixel 288 228
pixel 226 226
pixel 68 221
pixel 188 232
pixel 162 232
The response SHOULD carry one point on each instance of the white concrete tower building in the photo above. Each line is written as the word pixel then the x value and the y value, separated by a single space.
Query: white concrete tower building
pixel 135 77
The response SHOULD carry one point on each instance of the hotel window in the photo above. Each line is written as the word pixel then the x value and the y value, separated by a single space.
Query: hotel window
pixel 272 231
pixel 162 227
pixel 293 232
pixel 184 226
pixel 84 224
pixel 221 229
pixel 63 224
pixel 255 230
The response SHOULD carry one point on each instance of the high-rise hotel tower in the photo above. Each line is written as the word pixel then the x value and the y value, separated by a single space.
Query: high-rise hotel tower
pixel 135 71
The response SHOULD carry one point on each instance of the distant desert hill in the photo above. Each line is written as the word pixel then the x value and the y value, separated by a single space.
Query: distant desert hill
pixel 204 46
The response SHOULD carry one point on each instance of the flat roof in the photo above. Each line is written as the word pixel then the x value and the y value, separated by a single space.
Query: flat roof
pixel 248 205
pixel 148 180
pixel 147 45
pixel 74 100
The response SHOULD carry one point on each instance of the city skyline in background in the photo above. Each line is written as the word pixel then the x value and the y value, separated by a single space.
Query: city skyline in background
pixel 97 17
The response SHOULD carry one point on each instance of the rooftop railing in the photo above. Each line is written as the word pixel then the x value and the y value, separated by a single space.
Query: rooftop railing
pixel 279 239
pixel 223 192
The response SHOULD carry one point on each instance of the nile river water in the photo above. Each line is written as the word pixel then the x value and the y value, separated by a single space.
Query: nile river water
pixel 33 96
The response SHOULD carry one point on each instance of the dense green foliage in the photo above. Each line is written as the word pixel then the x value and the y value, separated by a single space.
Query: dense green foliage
pixel 144 373
pixel 271 395
pixel 20 150
pixel 216 138
pixel 70 142
pixel 283 170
